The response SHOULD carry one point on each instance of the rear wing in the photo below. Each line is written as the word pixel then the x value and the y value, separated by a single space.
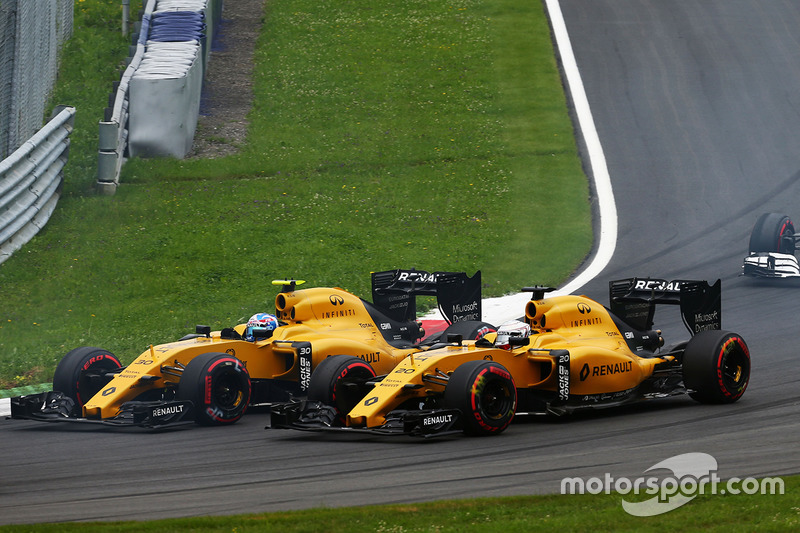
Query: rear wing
pixel 458 296
pixel 634 301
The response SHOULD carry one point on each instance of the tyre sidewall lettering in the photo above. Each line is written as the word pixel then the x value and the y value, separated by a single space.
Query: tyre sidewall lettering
pixel 92 361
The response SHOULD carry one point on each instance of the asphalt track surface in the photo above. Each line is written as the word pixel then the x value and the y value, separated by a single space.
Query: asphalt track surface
pixel 696 106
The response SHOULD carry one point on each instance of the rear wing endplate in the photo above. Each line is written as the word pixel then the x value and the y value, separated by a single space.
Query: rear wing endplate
pixel 634 301
pixel 458 296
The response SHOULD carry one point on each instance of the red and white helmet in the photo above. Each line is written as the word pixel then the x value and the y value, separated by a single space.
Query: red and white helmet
pixel 512 328
pixel 263 322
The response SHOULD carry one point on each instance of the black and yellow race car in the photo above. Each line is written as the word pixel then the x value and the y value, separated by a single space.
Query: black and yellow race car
pixel 568 353
pixel 210 377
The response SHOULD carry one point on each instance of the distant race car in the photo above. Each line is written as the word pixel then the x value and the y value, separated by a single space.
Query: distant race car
pixel 211 377
pixel 570 353
pixel 772 248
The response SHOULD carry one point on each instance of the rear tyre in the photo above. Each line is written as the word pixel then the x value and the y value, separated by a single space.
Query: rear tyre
pixel 82 373
pixel 340 381
pixel 468 329
pixel 218 385
pixel 485 393
pixel 773 232
pixel 716 367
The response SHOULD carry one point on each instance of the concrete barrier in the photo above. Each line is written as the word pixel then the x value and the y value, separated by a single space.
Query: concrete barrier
pixel 157 102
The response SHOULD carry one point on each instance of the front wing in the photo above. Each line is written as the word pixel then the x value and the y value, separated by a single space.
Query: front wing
pixel 315 416
pixel 56 407
pixel 770 265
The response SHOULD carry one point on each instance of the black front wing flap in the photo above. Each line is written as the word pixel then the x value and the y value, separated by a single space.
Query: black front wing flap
pixel 302 414
pixel 315 416
pixel 46 406
pixel 56 407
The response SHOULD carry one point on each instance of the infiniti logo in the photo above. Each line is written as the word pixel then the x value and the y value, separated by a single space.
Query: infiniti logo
pixel 336 300
pixel 584 308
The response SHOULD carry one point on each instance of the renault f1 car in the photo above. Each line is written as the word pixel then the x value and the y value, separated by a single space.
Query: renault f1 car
pixel 211 377
pixel 772 248
pixel 569 353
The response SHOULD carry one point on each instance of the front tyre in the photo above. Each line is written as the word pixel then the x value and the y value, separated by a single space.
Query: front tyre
pixel 716 367
pixel 340 381
pixel 218 385
pixel 485 393
pixel 773 232
pixel 83 372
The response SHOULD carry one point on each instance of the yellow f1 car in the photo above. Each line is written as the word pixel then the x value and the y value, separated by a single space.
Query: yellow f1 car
pixel 211 377
pixel 569 353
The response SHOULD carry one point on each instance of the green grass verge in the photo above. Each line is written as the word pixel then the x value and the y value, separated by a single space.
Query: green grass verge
pixel 596 513
pixel 26 389
pixel 428 134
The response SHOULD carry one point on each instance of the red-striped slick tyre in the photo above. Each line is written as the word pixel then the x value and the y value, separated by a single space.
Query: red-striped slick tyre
pixel 485 393
pixel 772 232
pixel 340 381
pixel 82 373
pixel 468 329
pixel 716 367
pixel 218 385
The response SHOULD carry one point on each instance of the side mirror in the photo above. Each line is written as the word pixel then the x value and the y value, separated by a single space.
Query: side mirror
pixel 454 338
pixel 519 341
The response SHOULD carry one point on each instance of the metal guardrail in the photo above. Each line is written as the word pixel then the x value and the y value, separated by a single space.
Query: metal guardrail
pixel 30 182
pixel 113 136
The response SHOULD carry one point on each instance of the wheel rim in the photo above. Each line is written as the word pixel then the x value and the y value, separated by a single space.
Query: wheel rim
pixel 734 366
pixel 495 400
pixel 227 392
pixel 733 370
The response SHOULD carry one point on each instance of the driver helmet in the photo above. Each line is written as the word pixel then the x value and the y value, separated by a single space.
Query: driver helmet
pixel 264 321
pixel 512 328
